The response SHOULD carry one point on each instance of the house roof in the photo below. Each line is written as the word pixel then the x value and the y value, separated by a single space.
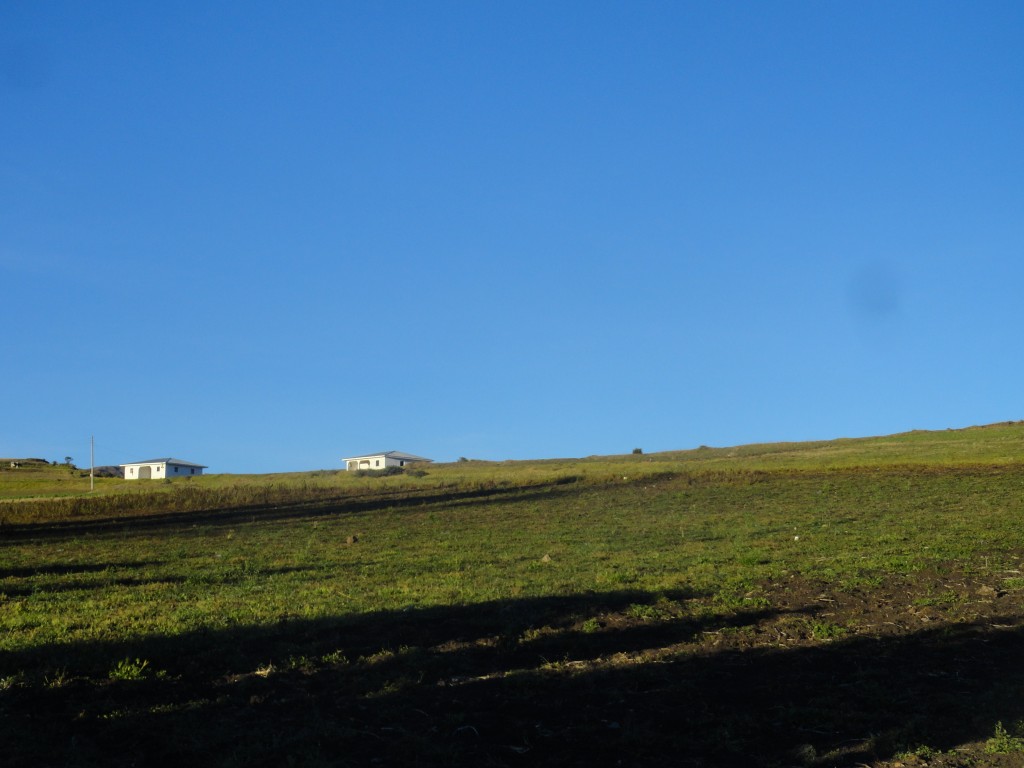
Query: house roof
pixel 179 462
pixel 390 454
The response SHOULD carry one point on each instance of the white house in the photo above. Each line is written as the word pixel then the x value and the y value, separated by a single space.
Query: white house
pixel 156 469
pixel 382 460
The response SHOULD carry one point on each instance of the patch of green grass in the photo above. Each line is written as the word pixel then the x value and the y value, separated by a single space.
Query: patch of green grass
pixel 920 751
pixel 646 612
pixel 825 630
pixel 946 598
pixel 1004 742
pixel 130 669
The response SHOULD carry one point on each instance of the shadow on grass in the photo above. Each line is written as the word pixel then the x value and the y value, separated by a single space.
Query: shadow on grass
pixel 277 511
pixel 560 681
pixel 106 580
pixel 65 569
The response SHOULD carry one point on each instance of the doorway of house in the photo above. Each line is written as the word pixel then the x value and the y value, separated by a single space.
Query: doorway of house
pixel 145 473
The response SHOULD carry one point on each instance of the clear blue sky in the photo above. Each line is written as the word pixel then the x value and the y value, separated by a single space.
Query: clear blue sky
pixel 263 236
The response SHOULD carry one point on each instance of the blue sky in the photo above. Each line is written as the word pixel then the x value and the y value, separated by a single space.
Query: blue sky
pixel 263 236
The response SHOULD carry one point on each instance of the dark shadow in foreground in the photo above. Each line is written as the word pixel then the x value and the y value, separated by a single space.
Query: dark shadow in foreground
pixel 547 681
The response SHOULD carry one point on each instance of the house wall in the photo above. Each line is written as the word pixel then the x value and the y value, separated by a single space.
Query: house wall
pixel 372 462
pixel 132 471
pixel 378 461
pixel 176 470
pixel 160 470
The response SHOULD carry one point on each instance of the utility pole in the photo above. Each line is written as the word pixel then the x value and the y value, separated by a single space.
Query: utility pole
pixel 92 462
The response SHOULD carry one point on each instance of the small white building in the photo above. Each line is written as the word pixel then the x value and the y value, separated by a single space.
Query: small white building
pixel 382 460
pixel 157 469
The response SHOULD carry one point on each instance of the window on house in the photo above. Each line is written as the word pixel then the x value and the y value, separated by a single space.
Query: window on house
pixel 377 463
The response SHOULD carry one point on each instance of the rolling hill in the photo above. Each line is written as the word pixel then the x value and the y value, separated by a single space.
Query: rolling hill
pixel 848 602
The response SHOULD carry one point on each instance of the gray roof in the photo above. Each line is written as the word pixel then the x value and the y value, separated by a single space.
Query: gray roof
pixel 390 454
pixel 179 462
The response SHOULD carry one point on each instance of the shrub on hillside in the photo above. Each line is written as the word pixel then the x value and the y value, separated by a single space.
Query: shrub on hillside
pixel 386 472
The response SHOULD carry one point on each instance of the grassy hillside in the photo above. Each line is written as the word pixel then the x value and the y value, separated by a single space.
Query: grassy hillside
pixel 35 477
pixel 855 602
pixel 996 444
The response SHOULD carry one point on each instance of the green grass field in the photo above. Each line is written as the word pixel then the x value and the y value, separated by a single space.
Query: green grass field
pixel 855 602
